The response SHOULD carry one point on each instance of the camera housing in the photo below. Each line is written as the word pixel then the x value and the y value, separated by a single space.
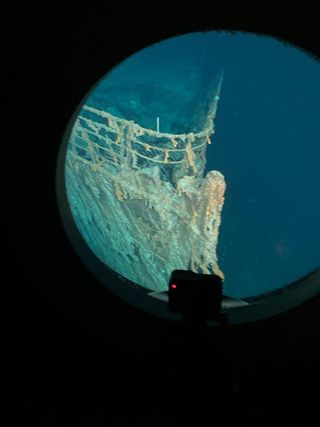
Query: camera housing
pixel 195 296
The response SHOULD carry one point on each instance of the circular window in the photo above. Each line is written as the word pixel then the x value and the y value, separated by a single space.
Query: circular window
pixel 200 153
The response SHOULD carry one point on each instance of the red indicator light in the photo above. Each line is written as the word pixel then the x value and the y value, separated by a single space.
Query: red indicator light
pixel 173 286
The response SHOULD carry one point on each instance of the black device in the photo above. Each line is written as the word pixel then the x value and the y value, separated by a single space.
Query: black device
pixel 196 297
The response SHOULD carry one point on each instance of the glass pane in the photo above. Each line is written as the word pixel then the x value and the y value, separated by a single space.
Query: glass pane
pixel 202 152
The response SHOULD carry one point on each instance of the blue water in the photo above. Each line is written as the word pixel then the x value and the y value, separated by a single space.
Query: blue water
pixel 266 144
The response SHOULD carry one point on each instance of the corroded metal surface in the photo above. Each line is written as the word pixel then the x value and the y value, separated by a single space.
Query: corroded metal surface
pixel 140 199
